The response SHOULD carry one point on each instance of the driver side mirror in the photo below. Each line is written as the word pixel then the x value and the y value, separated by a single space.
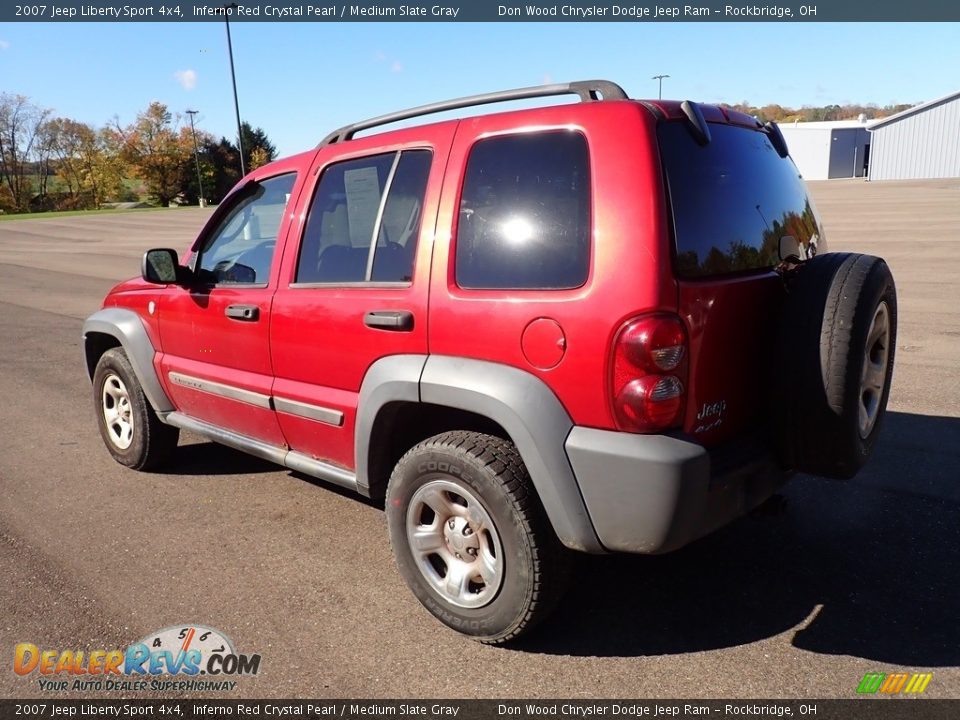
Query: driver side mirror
pixel 161 266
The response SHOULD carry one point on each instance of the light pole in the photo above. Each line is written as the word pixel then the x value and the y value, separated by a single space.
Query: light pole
pixel 763 217
pixel 196 156
pixel 660 88
pixel 233 77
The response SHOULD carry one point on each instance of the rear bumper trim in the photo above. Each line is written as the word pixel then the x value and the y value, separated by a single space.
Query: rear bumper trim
pixel 655 493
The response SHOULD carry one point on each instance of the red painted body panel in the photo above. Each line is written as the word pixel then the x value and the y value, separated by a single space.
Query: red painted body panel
pixel 629 269
pixel 136 294
pixel 199 340
pixel 731 324
pixel 311 344
pixel 330 443
pixel 321 348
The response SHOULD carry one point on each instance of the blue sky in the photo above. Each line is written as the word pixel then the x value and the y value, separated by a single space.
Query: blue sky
pixel 300 80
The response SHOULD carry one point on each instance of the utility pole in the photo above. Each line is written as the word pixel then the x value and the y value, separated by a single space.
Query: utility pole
pixel 196 156
pixel 233 77
pixel 660 89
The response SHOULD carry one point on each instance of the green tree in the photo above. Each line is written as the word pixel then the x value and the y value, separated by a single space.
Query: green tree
pixel 258 158
pixel 104 168
pixel 65 137
pixel 224 159
pixel 220 161
pixel 257 148
pixel 20 124
pixel 157 149
pixel 87 163
pixel 208 171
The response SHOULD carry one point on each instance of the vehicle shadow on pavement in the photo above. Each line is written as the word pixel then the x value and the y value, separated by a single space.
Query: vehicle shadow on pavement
pixel 210 458
pixel 868 568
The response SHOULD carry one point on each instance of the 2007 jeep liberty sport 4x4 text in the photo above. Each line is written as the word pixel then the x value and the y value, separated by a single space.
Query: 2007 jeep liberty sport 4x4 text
pixel 604 326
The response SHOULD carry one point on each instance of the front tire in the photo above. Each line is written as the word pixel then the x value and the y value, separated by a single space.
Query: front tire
pixel 130 428
pixel 471 538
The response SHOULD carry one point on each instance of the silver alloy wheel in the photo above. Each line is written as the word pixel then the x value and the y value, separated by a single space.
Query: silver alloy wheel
pixel 117 411
pixel 455 544
pixel 873 375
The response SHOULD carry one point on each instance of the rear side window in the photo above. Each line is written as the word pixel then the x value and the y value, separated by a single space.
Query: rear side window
pixel 525 213
pixel 364 220
pixel 733 199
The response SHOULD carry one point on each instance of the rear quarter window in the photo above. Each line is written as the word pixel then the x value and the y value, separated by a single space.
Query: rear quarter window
pixel 732 200
pixel 525 213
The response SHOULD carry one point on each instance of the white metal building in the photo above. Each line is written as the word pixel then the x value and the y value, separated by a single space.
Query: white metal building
pixel 827 150
pixel 921 142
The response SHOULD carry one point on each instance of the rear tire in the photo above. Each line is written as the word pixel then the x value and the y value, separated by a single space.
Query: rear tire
pixel 471 538
pixel 835 364
pixel 130 428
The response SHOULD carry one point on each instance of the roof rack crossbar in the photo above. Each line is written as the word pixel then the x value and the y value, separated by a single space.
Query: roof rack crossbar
pixel 587 90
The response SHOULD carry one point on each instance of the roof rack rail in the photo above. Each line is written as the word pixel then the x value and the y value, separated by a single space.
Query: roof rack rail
pixel 588 90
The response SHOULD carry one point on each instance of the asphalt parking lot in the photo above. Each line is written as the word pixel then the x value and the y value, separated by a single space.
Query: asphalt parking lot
pixel 853 578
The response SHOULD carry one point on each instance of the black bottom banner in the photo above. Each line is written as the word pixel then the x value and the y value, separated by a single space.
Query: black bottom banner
pixel 865 709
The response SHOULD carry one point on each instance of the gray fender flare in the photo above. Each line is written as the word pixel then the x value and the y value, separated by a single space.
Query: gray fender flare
pixel 391 379
pixel 127 327
pixel 519 402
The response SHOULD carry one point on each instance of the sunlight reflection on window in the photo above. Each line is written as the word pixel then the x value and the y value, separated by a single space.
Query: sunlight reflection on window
pixel 517 230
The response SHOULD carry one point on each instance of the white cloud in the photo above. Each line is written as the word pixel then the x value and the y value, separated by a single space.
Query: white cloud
pixel 381 58
pixel 186 78
pixel 4 45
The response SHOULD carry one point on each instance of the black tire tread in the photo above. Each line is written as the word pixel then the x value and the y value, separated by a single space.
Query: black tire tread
pixel 818 362
pixel 804 317
pixel 551 566
pixel 837 335
pixel 159 439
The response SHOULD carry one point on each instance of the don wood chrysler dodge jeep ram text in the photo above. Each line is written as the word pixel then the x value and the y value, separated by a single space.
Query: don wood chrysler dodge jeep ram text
pixel 604 326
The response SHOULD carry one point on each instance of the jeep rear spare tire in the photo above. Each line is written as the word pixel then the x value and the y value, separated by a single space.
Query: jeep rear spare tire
pixel 835 362
pixel 471 538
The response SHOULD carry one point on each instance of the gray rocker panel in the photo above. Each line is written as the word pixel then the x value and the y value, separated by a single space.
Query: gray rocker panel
pixel 282 456
pixel 127 327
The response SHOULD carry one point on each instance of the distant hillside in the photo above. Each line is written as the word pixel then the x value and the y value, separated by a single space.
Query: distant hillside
pixel 779 113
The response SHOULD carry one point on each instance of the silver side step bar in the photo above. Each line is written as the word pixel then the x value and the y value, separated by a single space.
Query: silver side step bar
pixel 281 456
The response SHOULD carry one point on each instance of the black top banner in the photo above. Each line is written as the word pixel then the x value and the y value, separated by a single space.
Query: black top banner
pixel 177 11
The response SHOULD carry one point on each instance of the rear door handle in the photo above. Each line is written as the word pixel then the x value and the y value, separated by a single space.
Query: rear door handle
pixel 396 320
pixel 249 313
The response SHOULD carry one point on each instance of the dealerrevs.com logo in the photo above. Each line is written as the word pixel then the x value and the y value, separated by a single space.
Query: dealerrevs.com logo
pixel 178 658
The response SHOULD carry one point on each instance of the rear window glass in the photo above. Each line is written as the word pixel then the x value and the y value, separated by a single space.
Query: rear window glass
pixel 733 199
pixel 525 213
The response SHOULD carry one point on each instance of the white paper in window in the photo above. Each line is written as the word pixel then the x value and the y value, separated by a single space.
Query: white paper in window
pixel 362 186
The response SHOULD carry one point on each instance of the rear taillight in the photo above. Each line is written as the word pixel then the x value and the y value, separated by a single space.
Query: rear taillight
pixel 649 371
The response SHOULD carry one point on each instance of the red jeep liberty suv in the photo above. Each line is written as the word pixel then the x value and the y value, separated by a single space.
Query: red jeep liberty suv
pixel 605 326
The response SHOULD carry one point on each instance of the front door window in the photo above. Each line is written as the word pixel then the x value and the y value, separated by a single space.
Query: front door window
pixel 241 248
